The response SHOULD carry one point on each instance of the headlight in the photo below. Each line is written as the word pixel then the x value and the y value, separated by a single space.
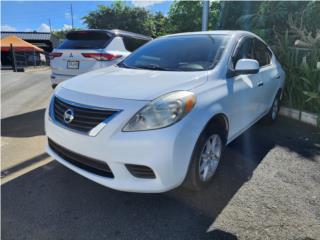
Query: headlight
pixel 162 112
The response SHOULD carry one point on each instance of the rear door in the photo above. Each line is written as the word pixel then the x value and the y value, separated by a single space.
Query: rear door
pixel 269 74
pixel 82 51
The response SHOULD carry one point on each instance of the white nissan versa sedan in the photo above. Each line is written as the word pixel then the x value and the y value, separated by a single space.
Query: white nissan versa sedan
pixel 162 117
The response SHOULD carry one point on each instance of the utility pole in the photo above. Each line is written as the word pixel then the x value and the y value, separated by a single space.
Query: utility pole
pixel 50 25
pixel 71 15
pixel 205 13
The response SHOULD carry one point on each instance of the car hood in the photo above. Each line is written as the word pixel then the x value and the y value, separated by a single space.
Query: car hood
pixel 137 84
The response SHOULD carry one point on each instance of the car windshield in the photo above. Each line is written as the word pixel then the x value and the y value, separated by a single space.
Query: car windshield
pixel 179 53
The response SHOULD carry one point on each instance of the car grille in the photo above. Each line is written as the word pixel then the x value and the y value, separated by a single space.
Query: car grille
pixel 84 119
pixel 88 164
pixel 140 171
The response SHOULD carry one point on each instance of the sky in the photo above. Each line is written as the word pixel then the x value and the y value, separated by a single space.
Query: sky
pixel 35 15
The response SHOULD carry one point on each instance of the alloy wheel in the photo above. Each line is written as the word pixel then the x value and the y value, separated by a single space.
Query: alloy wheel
pixel 210 157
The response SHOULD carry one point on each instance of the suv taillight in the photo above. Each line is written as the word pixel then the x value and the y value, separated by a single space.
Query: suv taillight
pixel 101 56
pixel 54 55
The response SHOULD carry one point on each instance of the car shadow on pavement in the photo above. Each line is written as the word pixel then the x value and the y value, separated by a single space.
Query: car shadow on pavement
pixel 52 202
pixel 299 137
pixel 28 124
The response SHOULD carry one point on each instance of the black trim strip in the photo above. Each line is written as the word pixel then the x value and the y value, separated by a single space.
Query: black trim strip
pixel 140 171
pixel 86 163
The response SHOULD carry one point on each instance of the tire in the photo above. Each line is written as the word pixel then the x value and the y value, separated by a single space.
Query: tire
pixel 273 113
pixel 195 178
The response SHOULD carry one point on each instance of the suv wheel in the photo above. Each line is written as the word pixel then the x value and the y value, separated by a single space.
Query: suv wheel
pixel 205 159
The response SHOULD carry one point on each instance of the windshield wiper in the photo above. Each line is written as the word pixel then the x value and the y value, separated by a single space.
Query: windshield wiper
pixel 122 64
pixel 152 67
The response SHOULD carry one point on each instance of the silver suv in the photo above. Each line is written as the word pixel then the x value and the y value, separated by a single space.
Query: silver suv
pixel 86 50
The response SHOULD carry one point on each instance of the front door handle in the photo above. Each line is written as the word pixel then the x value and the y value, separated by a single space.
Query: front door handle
pixel 260 84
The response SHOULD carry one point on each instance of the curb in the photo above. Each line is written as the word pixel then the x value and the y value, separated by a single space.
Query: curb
pixel 36 69
pixel 308 118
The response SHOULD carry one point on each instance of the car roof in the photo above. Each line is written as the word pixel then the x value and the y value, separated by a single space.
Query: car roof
pixel 117 32
pixel 236 33
pixel 217 32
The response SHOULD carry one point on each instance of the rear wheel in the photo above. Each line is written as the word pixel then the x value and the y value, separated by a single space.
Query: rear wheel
pixel 205 160
pixel 273 113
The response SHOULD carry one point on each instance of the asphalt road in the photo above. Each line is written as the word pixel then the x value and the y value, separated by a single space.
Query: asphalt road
pixel 267 187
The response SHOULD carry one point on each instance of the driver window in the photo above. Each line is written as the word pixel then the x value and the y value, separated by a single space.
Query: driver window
pixel 244 51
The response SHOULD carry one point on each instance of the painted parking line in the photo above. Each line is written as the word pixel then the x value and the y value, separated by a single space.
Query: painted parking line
pixel 24 167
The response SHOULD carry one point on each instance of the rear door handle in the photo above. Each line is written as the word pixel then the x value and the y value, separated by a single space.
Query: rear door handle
pixel 260 84
pixel 277 77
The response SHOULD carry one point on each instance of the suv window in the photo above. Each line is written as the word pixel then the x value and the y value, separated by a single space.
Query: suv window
pixel 262 53
pixel 244 51
pixel 85 40
pixel 132 44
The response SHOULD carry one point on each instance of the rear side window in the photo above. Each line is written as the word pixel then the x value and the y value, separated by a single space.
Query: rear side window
pixel 262 53
pixel 86 40
pixel 132 44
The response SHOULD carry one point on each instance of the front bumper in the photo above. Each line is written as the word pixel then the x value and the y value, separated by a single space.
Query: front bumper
pixel 166 151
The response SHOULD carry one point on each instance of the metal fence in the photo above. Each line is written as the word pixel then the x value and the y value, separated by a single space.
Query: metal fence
pixel 303 56
pixel 19 60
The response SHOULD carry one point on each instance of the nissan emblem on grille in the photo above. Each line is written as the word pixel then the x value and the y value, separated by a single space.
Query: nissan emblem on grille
pixel 68 116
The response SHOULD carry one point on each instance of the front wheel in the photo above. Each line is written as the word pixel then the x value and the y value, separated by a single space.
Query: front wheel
pixel 205 159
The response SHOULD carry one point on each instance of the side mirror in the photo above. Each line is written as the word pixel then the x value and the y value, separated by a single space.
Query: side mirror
pixel 247 66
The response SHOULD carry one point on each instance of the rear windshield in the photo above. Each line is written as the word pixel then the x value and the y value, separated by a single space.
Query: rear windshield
pixel 179 53
pixel 85 40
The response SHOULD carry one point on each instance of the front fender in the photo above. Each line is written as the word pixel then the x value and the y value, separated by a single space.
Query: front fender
pixel 193 125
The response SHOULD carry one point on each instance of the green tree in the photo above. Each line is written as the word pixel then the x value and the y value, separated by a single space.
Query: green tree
pixel 160 24
pixel 186 16
pixel 121 16
pixel 231 11
pixel 61 34
pixel 272 17
pixel 285 26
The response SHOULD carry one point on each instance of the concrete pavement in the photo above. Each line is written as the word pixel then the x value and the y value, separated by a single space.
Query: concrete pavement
pixel 24 97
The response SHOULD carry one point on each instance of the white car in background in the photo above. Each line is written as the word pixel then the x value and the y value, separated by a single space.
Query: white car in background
pixel 162 117
pixel 87 50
